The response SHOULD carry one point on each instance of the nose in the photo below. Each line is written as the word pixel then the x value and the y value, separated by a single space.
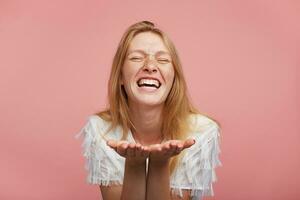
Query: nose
pixel 150 65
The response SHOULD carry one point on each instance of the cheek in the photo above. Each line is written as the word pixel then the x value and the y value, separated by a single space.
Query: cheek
pixel 129 71
pixel 126 73
pixel 169 75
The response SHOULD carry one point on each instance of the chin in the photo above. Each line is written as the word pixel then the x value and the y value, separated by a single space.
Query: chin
pixel 150 102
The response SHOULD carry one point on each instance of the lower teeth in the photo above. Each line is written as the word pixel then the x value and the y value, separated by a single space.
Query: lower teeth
pixel 146 85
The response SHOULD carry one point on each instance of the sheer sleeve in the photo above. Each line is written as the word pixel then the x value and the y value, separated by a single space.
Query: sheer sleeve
pixel 196 171
pixel 102 163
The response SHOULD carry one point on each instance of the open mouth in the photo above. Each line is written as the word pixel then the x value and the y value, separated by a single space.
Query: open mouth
pixel 143 82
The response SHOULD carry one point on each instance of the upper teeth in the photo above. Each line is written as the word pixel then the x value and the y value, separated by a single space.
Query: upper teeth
pixel 149 82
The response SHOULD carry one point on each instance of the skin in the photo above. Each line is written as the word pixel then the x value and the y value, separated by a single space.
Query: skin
pixel 147 57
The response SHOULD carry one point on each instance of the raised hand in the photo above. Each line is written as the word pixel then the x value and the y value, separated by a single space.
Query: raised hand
pixel 134 152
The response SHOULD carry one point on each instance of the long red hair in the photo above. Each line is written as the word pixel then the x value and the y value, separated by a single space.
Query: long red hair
pixel 177 107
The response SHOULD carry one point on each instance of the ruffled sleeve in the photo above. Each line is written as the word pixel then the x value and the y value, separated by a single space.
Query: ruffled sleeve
pixel 102 163
pixel 196 171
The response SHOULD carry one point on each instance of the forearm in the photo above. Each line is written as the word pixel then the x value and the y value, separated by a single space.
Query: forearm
pixel 158 181
pixel 134 183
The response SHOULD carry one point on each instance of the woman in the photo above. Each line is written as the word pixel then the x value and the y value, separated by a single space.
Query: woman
pixel 150 143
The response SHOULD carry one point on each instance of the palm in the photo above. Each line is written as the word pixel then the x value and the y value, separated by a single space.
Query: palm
pixel 160 152
pixel 156 152
pixel 131 151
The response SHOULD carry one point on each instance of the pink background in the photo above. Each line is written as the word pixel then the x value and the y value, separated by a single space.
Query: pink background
pixel 241 62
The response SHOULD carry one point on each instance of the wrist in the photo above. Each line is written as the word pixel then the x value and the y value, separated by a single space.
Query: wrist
pixel 157 163
pixel 136 163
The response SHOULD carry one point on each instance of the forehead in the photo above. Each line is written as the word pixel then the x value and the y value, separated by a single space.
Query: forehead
pixel 148 42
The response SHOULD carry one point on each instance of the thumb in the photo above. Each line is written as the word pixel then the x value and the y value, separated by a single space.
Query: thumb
pixel 112 143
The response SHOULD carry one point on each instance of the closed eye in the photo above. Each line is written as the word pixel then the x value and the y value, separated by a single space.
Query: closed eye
pixel 163 60
pixel 136 59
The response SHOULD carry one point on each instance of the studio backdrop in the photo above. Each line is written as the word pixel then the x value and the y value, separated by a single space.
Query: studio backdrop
pixel 240 60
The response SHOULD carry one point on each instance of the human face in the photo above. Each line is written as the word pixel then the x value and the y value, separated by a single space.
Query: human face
pixel 148 72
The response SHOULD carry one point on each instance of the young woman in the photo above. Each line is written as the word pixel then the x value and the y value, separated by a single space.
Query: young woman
pixel 150 143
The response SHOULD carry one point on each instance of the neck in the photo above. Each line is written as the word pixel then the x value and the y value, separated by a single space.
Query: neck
pixel 147 121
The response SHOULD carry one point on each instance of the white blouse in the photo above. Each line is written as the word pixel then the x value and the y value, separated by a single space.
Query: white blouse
pixel 195 171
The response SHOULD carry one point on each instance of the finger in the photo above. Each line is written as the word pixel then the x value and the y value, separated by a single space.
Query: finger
pixel 131 150
pixel 166 148
pixel 122 148
pixel 145 151
pixel 138 149
pixel 112 144
pixel 173 145
pixel 188 143
pixel 179 147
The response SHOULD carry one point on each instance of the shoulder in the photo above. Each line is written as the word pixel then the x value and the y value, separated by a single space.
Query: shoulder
pixel 206 133
pixel 104 165
pixel 201 120
pixel 96 120
pixel 201 125
pixel 102 127
pixel 196 168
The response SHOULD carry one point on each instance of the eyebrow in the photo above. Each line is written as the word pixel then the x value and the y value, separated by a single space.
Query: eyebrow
pixel 143 52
